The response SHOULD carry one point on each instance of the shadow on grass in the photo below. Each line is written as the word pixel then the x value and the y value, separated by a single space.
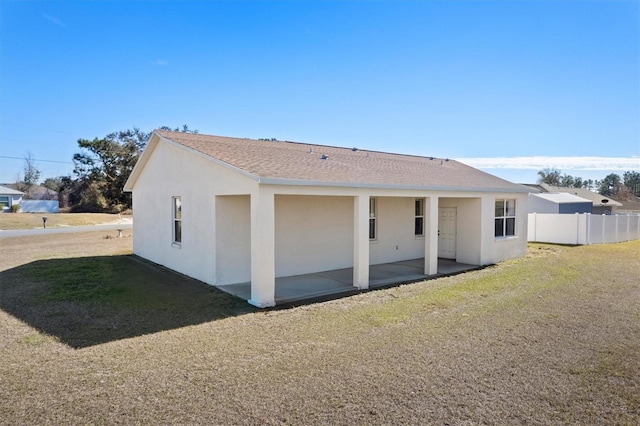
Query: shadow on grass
pixel 93 300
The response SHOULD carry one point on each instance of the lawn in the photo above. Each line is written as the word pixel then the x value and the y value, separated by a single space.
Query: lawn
pixel 94 335
pixel 9 221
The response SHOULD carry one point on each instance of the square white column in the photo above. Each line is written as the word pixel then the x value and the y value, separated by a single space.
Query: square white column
pixel 361 241
pixel 431 236
pixel 263 281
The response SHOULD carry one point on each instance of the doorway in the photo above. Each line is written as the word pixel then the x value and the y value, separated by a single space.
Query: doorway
pixel 447 217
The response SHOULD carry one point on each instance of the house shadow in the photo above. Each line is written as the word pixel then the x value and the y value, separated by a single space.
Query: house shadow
pixel 93 300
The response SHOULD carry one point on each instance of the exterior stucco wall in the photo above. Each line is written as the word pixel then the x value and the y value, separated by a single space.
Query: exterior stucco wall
pixel 468 228
pixel 312 234
pixel 233 239
pixel 498 249
pixel 395 239
pixel 172 171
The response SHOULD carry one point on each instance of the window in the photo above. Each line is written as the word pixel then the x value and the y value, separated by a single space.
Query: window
pixel 505 222
pixel 372 218
pixel 419 223
pixel 177 220
pixel 4 201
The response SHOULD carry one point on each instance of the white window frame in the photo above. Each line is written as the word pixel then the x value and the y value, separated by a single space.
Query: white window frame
pixel 176 221
pixel 373 222
pixel 419 217
pixel 506 217
pixel 8 203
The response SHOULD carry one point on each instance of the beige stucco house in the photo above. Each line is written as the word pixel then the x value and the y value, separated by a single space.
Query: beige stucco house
pixel 231 210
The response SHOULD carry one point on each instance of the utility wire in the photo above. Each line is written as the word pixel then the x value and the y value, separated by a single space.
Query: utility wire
pixel 34 159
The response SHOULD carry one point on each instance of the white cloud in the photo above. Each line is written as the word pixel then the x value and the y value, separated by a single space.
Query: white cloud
pixel 54 20
pixel 159 62
pixel 560 163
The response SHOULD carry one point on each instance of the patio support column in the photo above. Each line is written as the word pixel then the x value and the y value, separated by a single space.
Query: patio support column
pixel 361 241
pixel 431 236
pixel 263 281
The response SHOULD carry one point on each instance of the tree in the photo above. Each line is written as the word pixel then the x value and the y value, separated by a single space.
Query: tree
pixel 81 195
pixel 104 165
pixel 610 185
pixel 549 176
pixel 53 184
pixel 632 182
pixel 107 163
pixel 31 176
pixel 567 181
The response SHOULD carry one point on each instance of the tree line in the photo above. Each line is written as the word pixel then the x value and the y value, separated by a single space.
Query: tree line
pixel 101 169
pixel 621 188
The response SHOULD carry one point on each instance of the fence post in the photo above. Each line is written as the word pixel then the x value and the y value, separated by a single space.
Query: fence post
pixel 577 216
pixel 535 227
pixel 587 227
pixel 628 220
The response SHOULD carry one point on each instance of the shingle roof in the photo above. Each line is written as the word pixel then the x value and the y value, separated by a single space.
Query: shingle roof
pixel 275 161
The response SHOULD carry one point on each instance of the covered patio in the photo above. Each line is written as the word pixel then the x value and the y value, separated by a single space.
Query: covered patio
pixel 339 282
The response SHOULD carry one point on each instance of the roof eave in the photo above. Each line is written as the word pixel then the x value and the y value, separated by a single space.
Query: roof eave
pixel 302 182
pixel 151 146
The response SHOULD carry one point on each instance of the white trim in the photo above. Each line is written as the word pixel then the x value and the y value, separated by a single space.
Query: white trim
pixel 301 182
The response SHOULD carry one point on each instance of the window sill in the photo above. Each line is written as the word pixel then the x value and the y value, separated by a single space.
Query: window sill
pixel 419 237
pixel 176 245
pixel 510 237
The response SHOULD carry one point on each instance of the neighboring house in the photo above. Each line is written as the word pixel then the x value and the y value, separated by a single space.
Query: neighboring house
pixel 36 192
pixel 629 206
pixel 562 203
pixel 230 210
pixel 9 197
pixel 601 204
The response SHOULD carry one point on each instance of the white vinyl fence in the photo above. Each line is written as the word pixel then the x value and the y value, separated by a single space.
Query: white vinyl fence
pixel 39 206
pixel 583 228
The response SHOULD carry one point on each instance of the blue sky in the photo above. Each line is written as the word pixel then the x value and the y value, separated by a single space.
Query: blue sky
pixel 505 86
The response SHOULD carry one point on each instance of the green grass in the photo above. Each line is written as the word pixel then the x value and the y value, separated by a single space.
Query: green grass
pixel 89 279
pixel 86 301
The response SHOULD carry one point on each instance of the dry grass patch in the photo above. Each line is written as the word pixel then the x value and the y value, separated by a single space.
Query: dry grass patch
pixel 549 339
pixel 11 221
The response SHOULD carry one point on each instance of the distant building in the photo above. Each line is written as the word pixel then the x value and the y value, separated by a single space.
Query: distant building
pixel 600 203
pixel 9 197
pixel 561 203
pixel 35 192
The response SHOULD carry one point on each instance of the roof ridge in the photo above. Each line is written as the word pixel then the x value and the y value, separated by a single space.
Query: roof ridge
pixel 430 157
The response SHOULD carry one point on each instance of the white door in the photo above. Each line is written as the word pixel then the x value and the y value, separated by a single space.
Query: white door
pixel 447 232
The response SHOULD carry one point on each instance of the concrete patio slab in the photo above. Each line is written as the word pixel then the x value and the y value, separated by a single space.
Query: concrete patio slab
pixel 339 282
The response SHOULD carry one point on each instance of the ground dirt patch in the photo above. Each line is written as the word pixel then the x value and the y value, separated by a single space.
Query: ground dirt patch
pixel 549 339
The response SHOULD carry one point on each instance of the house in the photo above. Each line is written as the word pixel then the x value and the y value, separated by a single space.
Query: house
pixel 601 204
pixel 9 197
pixel 35 191
pixel 561 203
pixel 260 213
